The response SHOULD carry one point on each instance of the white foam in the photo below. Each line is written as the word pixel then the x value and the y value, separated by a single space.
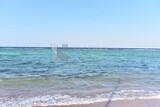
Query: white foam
pixel 68 100
pixel 47 100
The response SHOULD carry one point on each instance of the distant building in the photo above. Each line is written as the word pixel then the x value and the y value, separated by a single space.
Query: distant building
pixel 65 45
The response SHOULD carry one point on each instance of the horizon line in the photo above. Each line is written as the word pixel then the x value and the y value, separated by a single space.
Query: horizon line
pixel 70 47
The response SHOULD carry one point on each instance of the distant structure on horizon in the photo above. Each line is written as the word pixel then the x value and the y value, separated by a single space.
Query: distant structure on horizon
pixel 65 45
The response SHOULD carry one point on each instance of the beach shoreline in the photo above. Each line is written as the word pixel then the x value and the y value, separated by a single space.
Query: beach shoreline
pixel 88 78
pixel 117 103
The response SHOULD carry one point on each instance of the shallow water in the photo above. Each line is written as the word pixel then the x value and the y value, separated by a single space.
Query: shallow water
pixel 30 75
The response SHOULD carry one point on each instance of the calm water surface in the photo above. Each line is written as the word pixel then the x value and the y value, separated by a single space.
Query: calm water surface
pixel 30 76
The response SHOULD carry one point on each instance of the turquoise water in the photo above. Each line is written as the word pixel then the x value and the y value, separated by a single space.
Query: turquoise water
pixel 29 76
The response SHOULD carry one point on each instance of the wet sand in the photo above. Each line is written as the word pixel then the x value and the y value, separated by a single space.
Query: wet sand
pixel 119 103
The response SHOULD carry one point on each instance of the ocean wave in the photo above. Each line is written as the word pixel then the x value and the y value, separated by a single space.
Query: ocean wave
pixel 59 99
pixel 25 63
pixel 4 70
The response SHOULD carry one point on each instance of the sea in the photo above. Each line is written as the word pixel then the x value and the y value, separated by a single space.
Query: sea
pixel 64 76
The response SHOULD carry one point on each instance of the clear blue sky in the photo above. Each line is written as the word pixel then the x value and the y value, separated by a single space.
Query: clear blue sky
pixel 97 23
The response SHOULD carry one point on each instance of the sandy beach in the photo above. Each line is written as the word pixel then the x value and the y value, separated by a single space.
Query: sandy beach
pixel 119 103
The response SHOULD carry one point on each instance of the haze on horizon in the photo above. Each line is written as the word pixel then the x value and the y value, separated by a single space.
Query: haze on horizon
pixel 80 23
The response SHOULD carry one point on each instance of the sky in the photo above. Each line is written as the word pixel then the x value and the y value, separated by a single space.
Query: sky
pixel 80 23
